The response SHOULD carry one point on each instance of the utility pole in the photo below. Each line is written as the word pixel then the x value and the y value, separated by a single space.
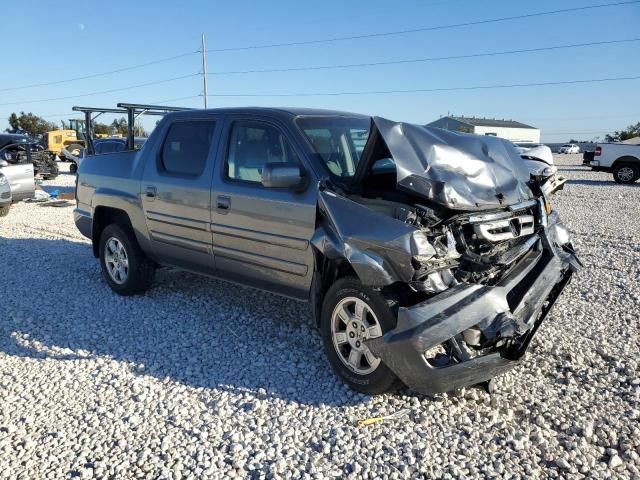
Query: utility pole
pixel 204 72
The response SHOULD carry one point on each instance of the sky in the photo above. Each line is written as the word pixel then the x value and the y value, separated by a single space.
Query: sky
pixel 42 46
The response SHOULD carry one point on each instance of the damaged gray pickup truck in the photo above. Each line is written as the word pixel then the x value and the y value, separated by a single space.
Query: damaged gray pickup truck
pixel 430 258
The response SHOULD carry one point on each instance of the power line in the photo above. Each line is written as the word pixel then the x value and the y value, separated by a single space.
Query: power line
pixel 587 117
pixel 170 100
pixel 94 75
pixel 421 60
pixel 579 133
pixel 157 82
pixel 425 90
pixel 423 29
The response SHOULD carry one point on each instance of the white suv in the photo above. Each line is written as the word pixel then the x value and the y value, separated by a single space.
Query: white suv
pixel 570 148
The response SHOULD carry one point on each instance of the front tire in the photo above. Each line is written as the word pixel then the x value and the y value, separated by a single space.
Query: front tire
pixel 352 313
pixel 124 265
pixel 73 168
pixel 626 173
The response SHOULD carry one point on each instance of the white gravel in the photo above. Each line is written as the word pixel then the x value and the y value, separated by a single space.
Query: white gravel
pixel 203 379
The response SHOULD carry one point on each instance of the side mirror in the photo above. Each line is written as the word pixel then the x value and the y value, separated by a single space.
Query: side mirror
pixel 282 175
pixel 4 163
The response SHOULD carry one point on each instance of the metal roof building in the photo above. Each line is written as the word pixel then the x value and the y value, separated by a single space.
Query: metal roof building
pixel 512 130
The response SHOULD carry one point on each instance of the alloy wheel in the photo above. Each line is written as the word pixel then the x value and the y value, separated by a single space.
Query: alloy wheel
pixel 116 260
pixel 353 322
pixel 625 174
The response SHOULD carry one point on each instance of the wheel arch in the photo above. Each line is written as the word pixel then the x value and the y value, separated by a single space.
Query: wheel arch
pixel 626 159
pixel 327 270
pixel 102 217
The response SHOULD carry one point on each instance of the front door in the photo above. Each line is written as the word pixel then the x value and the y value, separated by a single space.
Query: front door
pixel 261 235
pixel 176 193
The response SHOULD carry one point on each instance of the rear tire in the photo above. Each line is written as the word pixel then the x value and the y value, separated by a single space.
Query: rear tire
pixel 342 339
pixel 626 173
pixel 125 267
pixel 4 210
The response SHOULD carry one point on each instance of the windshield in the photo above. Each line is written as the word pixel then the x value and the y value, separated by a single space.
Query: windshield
pixel 338 142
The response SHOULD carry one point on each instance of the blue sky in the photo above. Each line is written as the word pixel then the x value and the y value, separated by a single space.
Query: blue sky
pixel 106 36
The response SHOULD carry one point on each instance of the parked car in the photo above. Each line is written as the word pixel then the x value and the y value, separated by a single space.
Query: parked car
pixel 620 159
pixel 101 145
pixel 5 196
pixel 429 257
pixel 20 177
pixel 569 148
pixel 21 149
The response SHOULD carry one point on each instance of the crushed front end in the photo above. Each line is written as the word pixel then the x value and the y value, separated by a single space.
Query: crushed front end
pixel 492 278
pixel 457 232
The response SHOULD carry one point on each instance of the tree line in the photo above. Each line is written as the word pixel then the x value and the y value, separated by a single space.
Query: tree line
pixel 34 125
pixel 618 136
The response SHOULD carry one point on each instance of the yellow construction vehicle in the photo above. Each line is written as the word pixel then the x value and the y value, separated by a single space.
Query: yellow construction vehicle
pixel 71 139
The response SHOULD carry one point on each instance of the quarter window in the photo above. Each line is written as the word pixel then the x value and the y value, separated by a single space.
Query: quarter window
pixel 186 147
pixel 251 146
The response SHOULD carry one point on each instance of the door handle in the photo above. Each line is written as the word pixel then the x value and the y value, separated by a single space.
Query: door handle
pixel 151 192
pixel 223 203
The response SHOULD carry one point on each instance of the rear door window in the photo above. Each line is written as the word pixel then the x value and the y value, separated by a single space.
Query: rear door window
pixel 186 147
pixel 109 147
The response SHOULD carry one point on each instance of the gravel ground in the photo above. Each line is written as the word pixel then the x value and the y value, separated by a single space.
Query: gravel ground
pixel 200 378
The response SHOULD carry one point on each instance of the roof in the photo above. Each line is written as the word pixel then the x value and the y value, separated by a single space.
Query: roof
pixel 276 111
pixel 490 122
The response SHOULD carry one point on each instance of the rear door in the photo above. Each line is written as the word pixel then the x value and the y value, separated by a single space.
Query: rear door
pixel 176 192
pixel 261 235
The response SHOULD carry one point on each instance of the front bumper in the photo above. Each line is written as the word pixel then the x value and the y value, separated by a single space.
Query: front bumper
pixel 524 298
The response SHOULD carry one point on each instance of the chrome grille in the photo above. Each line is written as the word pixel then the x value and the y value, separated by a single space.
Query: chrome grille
pixel 505 228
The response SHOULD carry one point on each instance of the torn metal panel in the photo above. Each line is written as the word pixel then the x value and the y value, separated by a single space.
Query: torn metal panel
pixel 541 153
pixel 456 170
pixel 377 247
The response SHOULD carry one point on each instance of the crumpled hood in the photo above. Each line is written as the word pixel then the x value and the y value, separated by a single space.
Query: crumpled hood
pixel 456 170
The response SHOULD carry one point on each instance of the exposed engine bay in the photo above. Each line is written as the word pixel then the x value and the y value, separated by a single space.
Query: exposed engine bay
pixel 475 248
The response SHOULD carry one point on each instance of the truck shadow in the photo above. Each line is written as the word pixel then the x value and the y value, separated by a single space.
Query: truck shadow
pixel 201 332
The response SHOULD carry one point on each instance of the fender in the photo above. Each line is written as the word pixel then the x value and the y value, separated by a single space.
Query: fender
pixel 377 247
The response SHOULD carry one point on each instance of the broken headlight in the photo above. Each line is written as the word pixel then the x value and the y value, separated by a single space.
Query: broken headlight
pixel 433 260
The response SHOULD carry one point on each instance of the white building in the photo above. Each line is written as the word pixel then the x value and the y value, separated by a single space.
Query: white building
pixel 510 129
